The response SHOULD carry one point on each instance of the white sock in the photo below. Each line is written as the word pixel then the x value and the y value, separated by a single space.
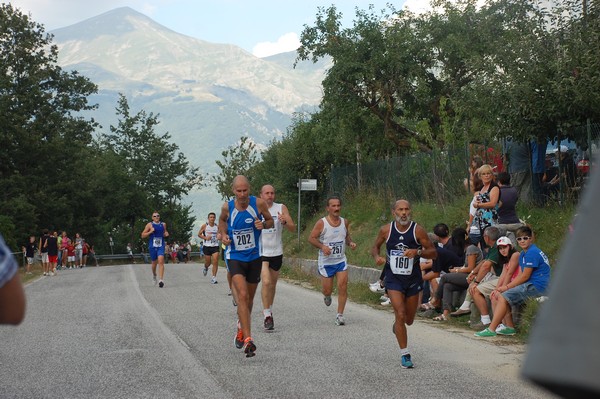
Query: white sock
pixel 466 305
pixel 267 312
pixel 340 314
pixel 485 319
pixel 404 351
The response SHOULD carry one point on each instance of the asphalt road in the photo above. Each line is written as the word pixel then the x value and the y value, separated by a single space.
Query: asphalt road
pixel 109 332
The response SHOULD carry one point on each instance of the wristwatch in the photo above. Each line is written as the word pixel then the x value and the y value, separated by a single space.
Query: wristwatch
pixel 419 252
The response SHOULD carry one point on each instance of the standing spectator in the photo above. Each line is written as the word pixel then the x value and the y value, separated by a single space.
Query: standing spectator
pixel 29 251
pixel 405 242
pixel 70 254
pixel 531 283
pixel 485 203
pixel 64 243
pixel 130 253
pixel 12 295
pixel 53 251
pixel 330 236
pixel 507 213
pixel 517 154
pixel 538 168
pixel 43 248
pixel 473 183
pixel 86 251
pixel 78 250
pixel 567 166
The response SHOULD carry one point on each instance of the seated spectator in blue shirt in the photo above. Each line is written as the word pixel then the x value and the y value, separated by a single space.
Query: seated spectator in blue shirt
pixel 531 283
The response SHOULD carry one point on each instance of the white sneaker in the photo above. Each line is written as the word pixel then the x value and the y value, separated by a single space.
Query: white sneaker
pixel 213 280
pixel 387 302
pixel 376 287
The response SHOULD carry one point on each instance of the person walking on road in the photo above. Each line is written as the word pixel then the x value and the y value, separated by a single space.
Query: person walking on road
pixel 209 232
pixel 405 242
pixel 157 231
pixel 240 227
pixel 330 236
pixel 271 245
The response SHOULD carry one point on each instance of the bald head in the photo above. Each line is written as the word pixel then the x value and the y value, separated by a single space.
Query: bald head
pixel 401 203
pixel 241 189
pixel 402 212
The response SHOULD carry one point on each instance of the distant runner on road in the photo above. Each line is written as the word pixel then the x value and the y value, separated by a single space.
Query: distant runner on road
pixel 157 231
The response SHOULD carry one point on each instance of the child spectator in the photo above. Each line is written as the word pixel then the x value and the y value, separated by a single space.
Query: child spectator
pixel 29 250
pixel 70 255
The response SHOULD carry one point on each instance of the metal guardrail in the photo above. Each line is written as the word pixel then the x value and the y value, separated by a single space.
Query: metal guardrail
pixel 145 257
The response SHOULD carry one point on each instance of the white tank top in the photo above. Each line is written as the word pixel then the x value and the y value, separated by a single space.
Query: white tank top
pixel 213 242
pixel 271 243
pixel 334 238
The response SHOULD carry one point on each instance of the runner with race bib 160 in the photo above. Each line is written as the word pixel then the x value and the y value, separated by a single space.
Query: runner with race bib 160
pixel 405 242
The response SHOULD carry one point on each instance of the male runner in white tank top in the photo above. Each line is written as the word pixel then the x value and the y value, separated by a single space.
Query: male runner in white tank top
pixel 330 235
pixel 272 251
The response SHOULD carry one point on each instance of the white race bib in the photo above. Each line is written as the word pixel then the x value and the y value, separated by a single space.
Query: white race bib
pixel 399 263
pixel 337 249
pixel 157 242
pixel 243 239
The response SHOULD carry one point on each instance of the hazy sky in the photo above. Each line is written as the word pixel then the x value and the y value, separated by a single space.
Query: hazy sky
pixel 262 27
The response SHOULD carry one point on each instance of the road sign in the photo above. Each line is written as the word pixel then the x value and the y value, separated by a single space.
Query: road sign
pixel 308 184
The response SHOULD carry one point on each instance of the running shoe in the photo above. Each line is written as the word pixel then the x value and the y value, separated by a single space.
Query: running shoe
pixel 239 338
pixel 407 362
pixel 154 280
pixel 269 324
pixel 233 301
pixel 339 320
pixel 214 280
pixel 387 302
pixel 376 288
pixel 161 283
pixel 229 293
pixel 249 347
pixel 327 300
pixel 205 271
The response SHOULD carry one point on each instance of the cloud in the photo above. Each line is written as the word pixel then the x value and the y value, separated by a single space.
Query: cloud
pixel 423 6
pixel 287 42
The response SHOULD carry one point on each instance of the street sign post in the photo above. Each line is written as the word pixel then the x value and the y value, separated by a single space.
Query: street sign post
pixel 304 185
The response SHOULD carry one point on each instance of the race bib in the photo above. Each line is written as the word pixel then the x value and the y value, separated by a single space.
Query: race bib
pixel 157 242
pixel 243 239
pixel 337 249
pixel 399 263
pixel 213 241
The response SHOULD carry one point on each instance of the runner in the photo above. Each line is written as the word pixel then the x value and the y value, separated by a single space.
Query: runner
pixel 271 245
pixel 405 243
pixel 240 227
pixel 209 232
pixel 330 235
pixel 157 231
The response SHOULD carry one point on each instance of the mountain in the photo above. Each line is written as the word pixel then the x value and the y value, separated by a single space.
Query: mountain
pixel 207 95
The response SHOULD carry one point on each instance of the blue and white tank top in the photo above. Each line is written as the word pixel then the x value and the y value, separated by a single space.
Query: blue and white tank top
pixel 156 237
pixel 245 237
pixel 334 238
pixel 271 243
pixel 395 245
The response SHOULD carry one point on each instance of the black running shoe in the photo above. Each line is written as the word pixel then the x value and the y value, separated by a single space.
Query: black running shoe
pixel 249 347
pixel 161 283
pixel 269 324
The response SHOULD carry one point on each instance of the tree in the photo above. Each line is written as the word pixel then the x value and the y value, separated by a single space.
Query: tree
pixel 44 144
pixel 237 160
pixel 155 173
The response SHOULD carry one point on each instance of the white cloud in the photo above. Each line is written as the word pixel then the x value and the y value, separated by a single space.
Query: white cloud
pixel 423 6
pixel 287 42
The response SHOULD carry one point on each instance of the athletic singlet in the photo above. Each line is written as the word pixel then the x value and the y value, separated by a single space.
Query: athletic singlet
pixel 395 245
pixel 245 237
pixel 334 238
pixel 212 230
pixel 270 239
pixel 156 237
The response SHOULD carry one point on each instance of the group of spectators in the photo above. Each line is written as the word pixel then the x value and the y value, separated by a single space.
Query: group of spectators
pixel 482 262
pixel 179 253
pixel 57 251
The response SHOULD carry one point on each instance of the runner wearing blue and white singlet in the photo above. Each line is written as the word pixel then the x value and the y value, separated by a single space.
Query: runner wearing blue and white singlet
pixel 12 295
pixel 271 246
pixel 156 231
pixel 406 242
pixel 240 224
pixel 330 236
